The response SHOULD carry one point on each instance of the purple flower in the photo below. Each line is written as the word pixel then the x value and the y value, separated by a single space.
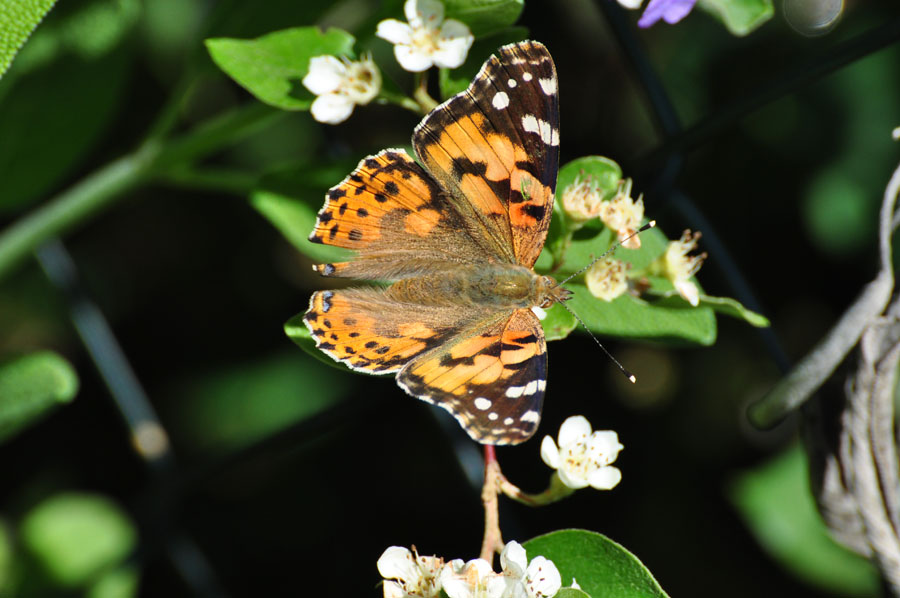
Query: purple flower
pixel 671 11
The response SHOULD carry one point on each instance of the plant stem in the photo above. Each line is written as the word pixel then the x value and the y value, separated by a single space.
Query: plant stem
pixel 112 182
pixel 401 100
pixel 426 102
pixel 493 539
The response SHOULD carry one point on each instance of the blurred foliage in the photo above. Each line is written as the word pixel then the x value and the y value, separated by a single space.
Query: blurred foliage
pixel 18 18
pixel 32 385
pixel 776 505
pixel 75 538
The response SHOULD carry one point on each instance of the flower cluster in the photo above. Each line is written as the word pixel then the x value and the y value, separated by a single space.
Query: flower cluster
pixel 583 456
pixel 407 575
pixel 676 265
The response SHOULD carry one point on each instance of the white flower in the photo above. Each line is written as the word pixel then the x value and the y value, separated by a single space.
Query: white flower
pixel 340 84
pixel 407 574
pixel 519 578
pixel 624 215
pixel 427 39
pixel 583 457
pixel 606 279
pixel 679 267
pixel 582 199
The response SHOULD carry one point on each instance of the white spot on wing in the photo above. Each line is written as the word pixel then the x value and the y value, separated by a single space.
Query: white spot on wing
pixel 512 83
pixel 548 134
pixel 493 416
pixel 549 86
pixel 530 388
pixel 526 77
pixel 542 384
pixel 508 421
pixel 514 392
pixel 530 416
pixel 482 403
pixel 501 100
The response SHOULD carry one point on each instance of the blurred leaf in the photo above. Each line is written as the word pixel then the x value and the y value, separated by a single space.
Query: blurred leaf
pixel 484 17
pixel 272 67
pixel 233 407
pixel 30 386
pixel 18 18
pixel 731 307
pixel 572 593
pixel 118 583
pixel 6 559
pixel 456 80
pixel 602 567
pixel 838 216
pixel 291 199
pixel 75 537
pixel 45 139
pixel 776 504
pixel 740 16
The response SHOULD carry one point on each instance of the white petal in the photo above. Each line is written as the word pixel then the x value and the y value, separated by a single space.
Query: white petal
pixel 326 73
pixel 630 4
pixel 543 578
pixel 394 31
pixel 549 452
pixel 571 479
pixel 392 589
pixel 605 478
pixel 424 13
pixel 513 559
pixel 453 44
pixel 398 562
pixel 412 59
pixel 503 586
pixel 332 108
pixel 688 290
pixel 604 446
pixel 574 429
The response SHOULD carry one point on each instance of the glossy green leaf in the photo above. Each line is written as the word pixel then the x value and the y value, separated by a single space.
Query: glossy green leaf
pixel 572 593
pixel 74 537
pixel 740 17
pixel 454 81
pixel 272 67
pixel 603 568
pixel 484 17
pixel 18 19
pixel 558 323
pixel 32 385
pixel 776 504
pixel 605 173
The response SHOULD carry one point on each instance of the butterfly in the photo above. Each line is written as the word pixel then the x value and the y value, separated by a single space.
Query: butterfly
pixel 457 237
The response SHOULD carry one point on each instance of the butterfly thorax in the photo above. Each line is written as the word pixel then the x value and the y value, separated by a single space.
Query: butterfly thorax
pixel 496 286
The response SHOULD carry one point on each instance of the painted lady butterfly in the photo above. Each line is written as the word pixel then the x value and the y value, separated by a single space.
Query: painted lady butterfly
pixel 458 238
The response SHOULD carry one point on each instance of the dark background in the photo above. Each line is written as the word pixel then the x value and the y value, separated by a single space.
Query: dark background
pixel 197 286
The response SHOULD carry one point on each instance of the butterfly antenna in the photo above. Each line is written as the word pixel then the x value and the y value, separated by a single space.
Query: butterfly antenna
pixel 622 369
pixel 647 226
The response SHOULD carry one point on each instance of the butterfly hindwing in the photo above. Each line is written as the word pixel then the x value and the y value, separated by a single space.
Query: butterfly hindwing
pixel 492 380
pixel 495 146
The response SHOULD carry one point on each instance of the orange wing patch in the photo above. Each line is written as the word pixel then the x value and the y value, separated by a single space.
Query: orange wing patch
pixel 492 382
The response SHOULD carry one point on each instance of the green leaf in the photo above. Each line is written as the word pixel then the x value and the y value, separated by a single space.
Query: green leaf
pixel 118 583
pixel 558 323
pixel 75 537
pixel 572 593
pixel 731 307
pixel 32 385
pixel 454 81
pixel 290 200
pixel 233 407
pixel 603 568
pixel 740 17
pixel 7 556
pixel 605 173
pixel 776 504
pixel 18 19
pixel 272 67
pixel 484 17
